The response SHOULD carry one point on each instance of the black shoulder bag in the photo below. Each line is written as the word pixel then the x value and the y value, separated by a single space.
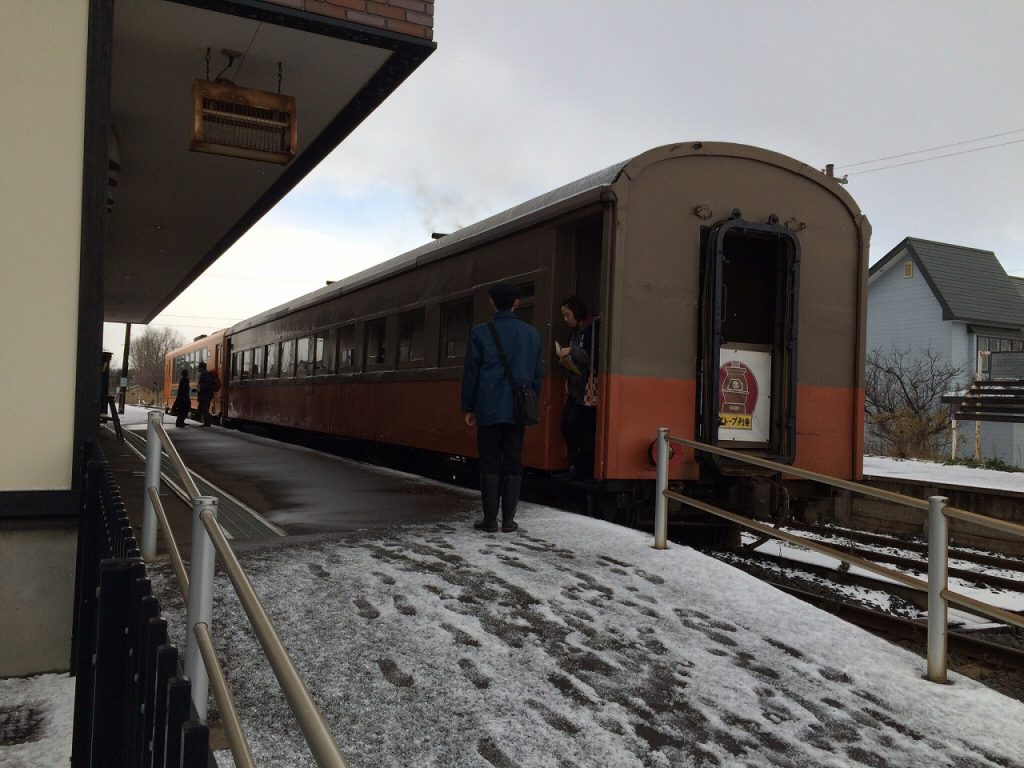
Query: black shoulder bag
pixel 524 398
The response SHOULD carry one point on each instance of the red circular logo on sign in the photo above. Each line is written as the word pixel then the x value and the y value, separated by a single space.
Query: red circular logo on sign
pixel 737 388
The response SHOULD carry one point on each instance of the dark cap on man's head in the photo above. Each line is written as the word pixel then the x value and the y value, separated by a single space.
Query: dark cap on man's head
pixel 202 365
pixel 506 291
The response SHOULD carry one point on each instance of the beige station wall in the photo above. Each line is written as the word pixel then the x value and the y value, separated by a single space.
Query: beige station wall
pixel 42 89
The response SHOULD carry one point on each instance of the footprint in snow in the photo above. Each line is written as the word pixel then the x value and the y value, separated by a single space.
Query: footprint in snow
pixel 394 675
pixel 366 610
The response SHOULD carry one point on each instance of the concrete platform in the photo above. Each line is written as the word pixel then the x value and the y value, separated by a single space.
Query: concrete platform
pixel 299 492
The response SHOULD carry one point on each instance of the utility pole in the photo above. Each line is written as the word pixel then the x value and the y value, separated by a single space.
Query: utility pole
pixel 124 368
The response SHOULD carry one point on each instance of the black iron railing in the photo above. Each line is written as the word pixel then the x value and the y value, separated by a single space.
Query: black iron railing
pixel 132 706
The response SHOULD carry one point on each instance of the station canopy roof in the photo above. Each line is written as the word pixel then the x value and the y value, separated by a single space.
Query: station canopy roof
pixel 172 211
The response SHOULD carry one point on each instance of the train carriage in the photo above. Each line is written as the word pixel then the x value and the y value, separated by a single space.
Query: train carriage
pixel 731 283
pixel 209 349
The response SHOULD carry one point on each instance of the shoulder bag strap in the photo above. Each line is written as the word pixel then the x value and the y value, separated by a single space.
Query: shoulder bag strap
pixel 501 354
pixel 591 393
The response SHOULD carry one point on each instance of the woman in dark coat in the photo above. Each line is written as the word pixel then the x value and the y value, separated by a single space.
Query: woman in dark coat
pixel 183 401
pixel 579 416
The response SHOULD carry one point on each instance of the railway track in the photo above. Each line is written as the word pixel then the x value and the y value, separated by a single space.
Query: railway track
pixel 991 655
pixel 828 533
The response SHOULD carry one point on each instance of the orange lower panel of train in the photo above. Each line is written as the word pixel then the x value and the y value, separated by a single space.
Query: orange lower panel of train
pixel 424 414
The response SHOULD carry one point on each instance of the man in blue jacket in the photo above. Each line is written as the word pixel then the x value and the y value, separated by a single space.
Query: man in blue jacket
pixel 487 403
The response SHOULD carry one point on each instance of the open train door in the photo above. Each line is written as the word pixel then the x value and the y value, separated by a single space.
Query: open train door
pixel 748 317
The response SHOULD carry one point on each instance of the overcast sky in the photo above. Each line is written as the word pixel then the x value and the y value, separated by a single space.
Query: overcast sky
pixel 521 97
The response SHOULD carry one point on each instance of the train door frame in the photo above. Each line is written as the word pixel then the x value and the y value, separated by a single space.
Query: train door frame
pixel 586 258
pixel 719 242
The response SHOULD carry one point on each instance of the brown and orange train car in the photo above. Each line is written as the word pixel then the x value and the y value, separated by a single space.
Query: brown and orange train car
pixel 210 349
pixel 731 283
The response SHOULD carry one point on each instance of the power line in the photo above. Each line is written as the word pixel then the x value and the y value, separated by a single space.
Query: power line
pixel 937 157
pixel 933 149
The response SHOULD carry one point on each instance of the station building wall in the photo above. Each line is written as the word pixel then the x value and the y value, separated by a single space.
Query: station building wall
pixel 43 50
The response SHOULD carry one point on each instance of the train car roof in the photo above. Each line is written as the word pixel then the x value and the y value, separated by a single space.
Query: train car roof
pixel 573 195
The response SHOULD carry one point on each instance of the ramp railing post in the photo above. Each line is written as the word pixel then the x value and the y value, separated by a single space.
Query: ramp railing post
pixel 938 577
pixel 660 500
pixel 153 448
pixel 200 602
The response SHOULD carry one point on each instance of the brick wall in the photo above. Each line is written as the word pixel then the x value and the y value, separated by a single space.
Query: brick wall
pixel 405 17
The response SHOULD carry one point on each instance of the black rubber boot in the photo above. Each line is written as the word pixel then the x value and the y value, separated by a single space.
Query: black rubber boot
pixel 509 502
pixel 490 488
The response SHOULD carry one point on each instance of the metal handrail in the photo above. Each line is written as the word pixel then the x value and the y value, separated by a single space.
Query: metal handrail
pixel 847 485
pixel 172 452
pixel 318 735
pixel 241 754
pixel 898 576
pixel 937 584
pixel 201 665
pixel 746 522
pixel 172 545
pixel 985 522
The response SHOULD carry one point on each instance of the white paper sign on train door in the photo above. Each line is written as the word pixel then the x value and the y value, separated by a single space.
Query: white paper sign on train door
pixel 744 394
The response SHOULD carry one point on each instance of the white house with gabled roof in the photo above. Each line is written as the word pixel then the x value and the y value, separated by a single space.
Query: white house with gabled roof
pixel 956 301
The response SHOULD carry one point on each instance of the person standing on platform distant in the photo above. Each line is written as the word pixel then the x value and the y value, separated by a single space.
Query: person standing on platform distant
pixel 183 400
pixel 209 383
pixel 487 403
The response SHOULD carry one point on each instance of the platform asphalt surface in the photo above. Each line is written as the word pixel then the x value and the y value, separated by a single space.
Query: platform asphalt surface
pixel 572 644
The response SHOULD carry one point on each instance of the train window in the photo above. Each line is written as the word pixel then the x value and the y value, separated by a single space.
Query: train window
pixel 456 322
pixel 346 347
pixel 270 358
pixel 234 366
pixel 526 303
pixel 247 364
pixel 330 358
pixel 319 345
pixel 376 344
pixel 303 362
pixel 257 363
pixel 286 358
pixel 410 336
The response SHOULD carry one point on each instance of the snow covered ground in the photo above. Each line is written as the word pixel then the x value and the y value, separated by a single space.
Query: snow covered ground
pixel 946 474
pixel 44 705
pixel 577 644
pixel 571 644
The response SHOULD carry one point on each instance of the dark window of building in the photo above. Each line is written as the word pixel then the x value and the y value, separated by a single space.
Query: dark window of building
pixel 410 336
pixel 456 322
pixel 376 346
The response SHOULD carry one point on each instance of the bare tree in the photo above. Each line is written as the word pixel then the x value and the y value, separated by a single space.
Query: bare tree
pixel 147 352
pixel 903 401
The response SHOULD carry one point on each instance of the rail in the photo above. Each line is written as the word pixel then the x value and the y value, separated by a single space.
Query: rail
pixel 209 541
pixel 936 587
